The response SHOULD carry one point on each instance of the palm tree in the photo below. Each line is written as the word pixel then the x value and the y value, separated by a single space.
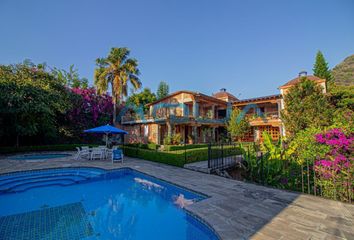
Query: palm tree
pixel 118 70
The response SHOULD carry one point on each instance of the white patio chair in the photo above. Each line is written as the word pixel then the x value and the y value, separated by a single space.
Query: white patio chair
pixel 97 153
pixel 104 149
pixel 82 153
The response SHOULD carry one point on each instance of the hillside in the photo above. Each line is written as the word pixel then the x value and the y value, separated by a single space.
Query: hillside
pixel 343 73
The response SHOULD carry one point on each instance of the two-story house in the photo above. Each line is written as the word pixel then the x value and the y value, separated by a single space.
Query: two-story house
pixel 201 118
pixel 195 116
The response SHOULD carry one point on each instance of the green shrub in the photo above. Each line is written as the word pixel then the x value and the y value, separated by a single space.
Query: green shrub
pixel 167 140
pixel 61 147
pixel 182 147
pixel 179 157
pixel 153 146
pixel 175 159
pixel 177 138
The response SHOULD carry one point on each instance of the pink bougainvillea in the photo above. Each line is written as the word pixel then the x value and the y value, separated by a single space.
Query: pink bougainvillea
pixel 89 109
pixel 336 169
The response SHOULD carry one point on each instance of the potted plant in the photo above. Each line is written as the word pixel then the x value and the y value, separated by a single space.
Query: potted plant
pixel 190 139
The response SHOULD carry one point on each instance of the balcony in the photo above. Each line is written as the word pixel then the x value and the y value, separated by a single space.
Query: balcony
pixel 268 118
pixel 173 119
pixel 266 115
pixel 136 119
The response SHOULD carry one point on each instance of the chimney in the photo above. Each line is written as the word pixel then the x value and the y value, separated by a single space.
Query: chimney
pixel 302 74
pixel 223 90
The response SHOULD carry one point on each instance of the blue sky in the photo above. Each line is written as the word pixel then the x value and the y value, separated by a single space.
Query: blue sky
pixel 249 47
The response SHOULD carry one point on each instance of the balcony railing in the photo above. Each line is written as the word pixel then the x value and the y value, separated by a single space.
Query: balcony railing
pixel 267 115
pixel 126 119
pixel 147 118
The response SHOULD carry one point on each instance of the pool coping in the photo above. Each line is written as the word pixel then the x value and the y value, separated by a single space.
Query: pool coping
pixel 10 157
pixel 187 211
pixel 234 209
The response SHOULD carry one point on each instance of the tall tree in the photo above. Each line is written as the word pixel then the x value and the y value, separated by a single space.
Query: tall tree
pixel 31 100
pixel 117 70
pixel 162 90
pixel 70 78
pixel 305 106
pixel 142 98
pixel 237 126
pixel 320 68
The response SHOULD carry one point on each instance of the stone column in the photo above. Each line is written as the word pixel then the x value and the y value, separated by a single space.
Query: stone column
pixel 228 110
pixel 151 110
pixel 158 131
pixel 213 112
pixel 169 129
pixel 195 134
pixel 195 109
pixel 256 134
pixel 213 130
pixel 280 105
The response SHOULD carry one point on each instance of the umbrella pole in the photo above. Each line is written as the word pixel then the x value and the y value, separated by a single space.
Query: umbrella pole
pixel 106 139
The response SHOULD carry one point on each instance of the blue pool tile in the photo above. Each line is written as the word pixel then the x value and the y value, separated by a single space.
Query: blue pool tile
pixel 64 222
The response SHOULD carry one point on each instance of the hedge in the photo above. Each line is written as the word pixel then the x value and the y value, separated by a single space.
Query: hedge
pixel 180 157
pixel 151 146
pixel 182 147
pixel 171 158
pixel 61 147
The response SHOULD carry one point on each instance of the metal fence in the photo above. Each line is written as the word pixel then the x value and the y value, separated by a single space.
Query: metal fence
pixel 294 175
pixel 223 155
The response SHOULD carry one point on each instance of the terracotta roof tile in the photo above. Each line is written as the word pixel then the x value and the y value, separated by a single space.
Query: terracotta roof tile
pixel 297 80
pixel 248 100
pixel 224 95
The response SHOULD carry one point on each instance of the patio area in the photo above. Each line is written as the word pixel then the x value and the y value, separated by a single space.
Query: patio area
pixel 236 210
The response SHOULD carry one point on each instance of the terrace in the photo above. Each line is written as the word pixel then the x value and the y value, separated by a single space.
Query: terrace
pixel 234 209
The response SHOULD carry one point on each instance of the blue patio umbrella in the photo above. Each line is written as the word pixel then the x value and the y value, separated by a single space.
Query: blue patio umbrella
pixel 106 129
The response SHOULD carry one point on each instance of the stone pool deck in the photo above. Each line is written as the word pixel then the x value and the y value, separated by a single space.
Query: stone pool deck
pixel 236 210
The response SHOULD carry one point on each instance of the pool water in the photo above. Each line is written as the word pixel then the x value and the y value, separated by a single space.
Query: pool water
pixel 90 203
pixel 40 156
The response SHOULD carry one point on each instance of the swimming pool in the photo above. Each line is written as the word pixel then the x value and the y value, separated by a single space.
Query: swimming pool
pixel 90 203
pixel 43 156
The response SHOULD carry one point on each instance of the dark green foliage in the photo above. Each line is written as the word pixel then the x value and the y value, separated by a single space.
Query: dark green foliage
pixel 38 107
pixel 58 147
pixel 343 73
pixel 342 100
pixel 306 106
pixel 31 100
pixel 320 68
pixel 142 98
pixel 162 90
pixel 267 170
pixel 237 125
pixel 342 97
pixel 150 146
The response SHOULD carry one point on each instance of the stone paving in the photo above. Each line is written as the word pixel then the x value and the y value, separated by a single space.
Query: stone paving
pixel 202 166
pixel 236 210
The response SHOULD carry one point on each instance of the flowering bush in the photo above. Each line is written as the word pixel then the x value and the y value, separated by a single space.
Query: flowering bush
pixel 89 110
pixel 335 171
pixel 98 107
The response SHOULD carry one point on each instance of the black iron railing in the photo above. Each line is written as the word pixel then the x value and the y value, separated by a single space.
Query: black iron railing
pixel 223 155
